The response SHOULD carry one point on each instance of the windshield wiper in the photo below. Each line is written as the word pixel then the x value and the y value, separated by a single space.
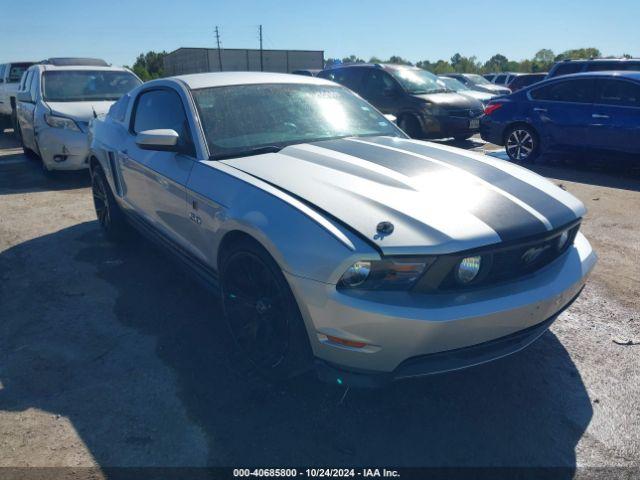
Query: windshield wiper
pixel 249 152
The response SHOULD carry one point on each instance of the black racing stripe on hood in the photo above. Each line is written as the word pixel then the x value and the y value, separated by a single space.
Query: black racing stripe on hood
pixel 326 160
pixel 508 219
pixel 554 210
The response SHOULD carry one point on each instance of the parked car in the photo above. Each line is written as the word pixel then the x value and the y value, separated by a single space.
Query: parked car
pixel 525 80
pixel 596 111
pixel 422 106
pixel 504 78
pixel 455 86
pixel 567 67
pixel 10 74
pixel 308 72
pixel 57 99
pixel 478 82
pixel 334 240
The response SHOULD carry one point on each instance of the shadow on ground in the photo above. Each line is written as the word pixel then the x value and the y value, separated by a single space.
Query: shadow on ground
pixel 21 175
pixel 78 347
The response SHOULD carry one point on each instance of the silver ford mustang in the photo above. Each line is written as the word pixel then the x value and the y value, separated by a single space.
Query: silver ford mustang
pixel 336 241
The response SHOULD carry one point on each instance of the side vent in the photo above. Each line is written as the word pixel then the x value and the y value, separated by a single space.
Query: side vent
pixel 115 173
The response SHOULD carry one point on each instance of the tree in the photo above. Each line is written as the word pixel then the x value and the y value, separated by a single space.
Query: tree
pixel 352 59
pixel 497 63
pixel 375 60
pixel 579 53
pixel 398 60
pixel 543 59
pixel 149 65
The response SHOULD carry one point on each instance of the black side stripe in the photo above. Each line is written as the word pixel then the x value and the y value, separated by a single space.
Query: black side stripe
pixel 508 219
pixel 555 211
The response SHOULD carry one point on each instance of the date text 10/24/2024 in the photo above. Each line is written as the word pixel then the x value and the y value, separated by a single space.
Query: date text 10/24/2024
pixel 316 472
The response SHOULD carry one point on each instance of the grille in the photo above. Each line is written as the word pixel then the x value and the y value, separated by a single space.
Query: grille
pixel 500 263
pixel 464 112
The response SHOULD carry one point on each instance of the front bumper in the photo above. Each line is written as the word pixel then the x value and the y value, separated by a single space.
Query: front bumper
pixel 443 126
pixel 400 327
pixel 63 149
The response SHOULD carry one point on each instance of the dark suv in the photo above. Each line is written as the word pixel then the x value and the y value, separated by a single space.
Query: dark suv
pixel 423 106
pixel 567 67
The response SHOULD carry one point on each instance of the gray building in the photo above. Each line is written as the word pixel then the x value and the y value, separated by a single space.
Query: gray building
pixel 195 60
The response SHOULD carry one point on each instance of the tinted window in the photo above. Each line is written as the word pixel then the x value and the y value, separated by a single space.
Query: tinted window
pixel 501 79
pixel 567 68
pixel 376 82
pixel 1 71
pixel 239 118
pixel 602 66
pixel 618 92
pixel 349 77
pixel 87 85
pixel 161 109
pixel 16 71
pixel 577 91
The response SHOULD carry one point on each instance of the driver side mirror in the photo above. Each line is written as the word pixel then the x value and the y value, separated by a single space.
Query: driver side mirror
pixel 162 140
pixel 24 97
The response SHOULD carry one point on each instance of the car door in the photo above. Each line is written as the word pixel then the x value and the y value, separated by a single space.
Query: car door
pixel 561 111
pixel 615 123
pixel 381 90
pixel 25 110
pixel 155 181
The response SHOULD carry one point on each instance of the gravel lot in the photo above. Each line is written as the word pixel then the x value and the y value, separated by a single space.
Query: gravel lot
pixel 112 356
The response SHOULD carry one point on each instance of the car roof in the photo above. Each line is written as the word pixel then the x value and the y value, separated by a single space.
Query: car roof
pixel 596 60
pixel 605 73
pixel 221 79
pixel 47 67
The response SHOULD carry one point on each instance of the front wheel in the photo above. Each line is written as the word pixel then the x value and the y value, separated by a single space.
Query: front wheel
pixel 262 315
pixel 522 144
pixel 110 217
pixel 410 125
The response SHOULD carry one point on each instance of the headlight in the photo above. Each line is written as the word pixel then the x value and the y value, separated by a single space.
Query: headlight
pixel 431 109
pixel 60 122
pixel 388 274
pixel 468 269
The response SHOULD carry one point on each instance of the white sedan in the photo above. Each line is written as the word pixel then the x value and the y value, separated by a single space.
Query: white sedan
pixel 336 242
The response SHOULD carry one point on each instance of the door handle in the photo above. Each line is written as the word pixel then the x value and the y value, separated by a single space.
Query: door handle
pixel 599 115
pixel 541 110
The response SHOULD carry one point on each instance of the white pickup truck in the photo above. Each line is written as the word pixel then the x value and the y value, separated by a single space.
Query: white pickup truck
pixel 10 74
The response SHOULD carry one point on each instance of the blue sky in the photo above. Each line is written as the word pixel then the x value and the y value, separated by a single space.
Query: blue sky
pixel 117 30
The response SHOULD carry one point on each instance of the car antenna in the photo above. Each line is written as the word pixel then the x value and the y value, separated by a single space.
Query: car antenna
pixel 95 115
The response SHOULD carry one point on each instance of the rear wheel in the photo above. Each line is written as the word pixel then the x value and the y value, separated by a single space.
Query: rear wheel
pixel 262 314
pixel 521 144
pixel 410 125
pixel 110 217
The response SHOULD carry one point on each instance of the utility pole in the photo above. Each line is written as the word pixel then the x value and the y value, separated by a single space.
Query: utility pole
pixel 219 51
pixel 261 62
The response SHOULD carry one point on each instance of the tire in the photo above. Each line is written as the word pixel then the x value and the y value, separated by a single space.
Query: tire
pixel 410 125
pixel 522 144
pixel 262 316
pixel 110 217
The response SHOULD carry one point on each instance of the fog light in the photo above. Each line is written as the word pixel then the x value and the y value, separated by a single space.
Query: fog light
pixel 468 269
pixel 356 274
pixel 562 240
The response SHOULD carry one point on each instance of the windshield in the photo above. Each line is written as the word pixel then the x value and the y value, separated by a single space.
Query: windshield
pixel 240 118
pixel 86 85
pixel 417 81
pixel 479 79
pixel 452 84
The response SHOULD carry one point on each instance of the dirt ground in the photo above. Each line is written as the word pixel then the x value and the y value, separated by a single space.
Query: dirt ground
pixel 112 356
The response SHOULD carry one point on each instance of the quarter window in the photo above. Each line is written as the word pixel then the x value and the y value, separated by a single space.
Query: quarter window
pixel 567 68
pixel 618 92
pixel 500 79
pixel 575 91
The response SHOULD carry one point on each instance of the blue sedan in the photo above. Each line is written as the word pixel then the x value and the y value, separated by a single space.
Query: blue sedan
pixel 585 111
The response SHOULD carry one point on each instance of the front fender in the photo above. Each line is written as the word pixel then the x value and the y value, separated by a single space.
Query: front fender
pixel 302 241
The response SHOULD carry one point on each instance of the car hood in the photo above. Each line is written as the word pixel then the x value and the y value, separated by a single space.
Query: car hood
pixel 439 199
pixel 80 111
pixel 450 100
pixel 481 96
pixel 495 89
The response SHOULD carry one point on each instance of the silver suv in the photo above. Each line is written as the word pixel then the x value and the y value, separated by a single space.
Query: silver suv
pixel 57 99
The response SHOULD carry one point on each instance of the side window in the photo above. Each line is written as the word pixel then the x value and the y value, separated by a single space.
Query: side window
pixel 500 79
pixel 602 66
pixel 575 91
pixel 629 66
pixel 376 82
pixel 33 87
pixel 618 92
pixel 567 68
pixel 27 81
pixel 2 72
pixel 161 109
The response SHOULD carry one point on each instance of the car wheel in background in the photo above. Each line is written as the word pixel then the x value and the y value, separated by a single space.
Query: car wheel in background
pixel 410 125
pixel 110 217
pixel 262 315
pixel 521 143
